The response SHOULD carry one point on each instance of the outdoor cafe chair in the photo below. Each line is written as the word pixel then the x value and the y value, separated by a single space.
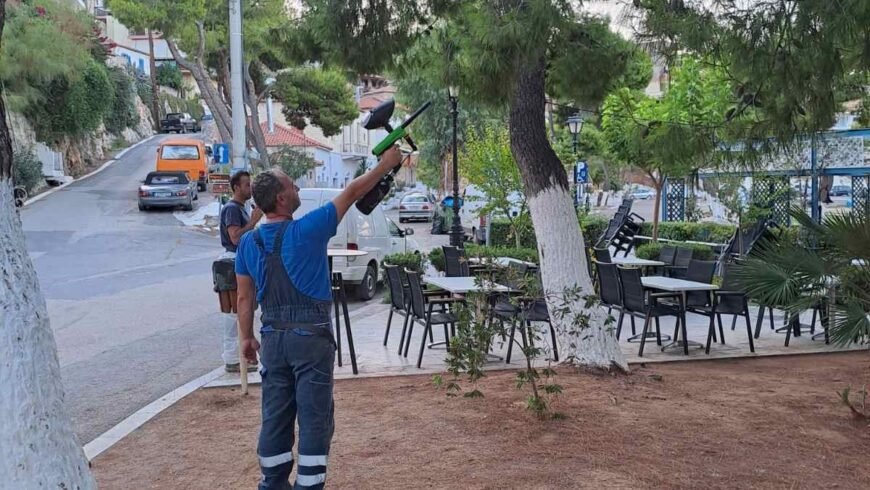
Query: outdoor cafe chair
pixel 680 265
pixel 611 293
pixel 454 265
pixel 637 301
pixel 730 300
pixel 400 295
pixel 422 309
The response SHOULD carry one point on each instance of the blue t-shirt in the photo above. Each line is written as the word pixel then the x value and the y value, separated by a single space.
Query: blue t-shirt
pixel 232 214
pixel 303 251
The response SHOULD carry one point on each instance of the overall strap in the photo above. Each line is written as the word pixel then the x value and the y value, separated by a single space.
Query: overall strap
pixel 279 238
pixel 258 239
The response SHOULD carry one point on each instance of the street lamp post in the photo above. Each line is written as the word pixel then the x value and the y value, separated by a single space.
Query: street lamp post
pixel 575 125
pixel 456 228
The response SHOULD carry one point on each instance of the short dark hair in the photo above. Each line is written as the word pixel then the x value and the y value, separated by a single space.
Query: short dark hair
pixel 236 179
pixel 267 186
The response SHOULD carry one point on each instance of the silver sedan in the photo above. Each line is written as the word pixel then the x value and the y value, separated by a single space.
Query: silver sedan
pixel 416 206
pixel 167 190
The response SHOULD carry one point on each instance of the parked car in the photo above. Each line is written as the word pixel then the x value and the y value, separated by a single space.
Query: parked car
pixel 415 206
pixel 207 117
pixel 167 190
pixel 179 122
pixel 841 191
pixel 641 193
pixel 184 155
pixel 356 231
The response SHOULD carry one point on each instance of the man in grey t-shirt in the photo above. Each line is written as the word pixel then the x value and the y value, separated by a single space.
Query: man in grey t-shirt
pixel 234 223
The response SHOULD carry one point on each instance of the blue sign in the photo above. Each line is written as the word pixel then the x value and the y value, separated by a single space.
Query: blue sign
pixel 582 173
pixel 221 153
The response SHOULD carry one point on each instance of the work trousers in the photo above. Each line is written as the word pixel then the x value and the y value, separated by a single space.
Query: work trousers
pixel 297 372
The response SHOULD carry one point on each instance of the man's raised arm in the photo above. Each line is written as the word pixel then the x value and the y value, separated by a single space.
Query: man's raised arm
pixel 361 185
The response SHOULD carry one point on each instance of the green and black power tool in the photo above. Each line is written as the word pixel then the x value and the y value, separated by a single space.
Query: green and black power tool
pixel 379 118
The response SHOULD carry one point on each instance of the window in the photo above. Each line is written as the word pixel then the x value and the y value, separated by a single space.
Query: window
pixel 394 230
pixel 141 65
pixel 180 152
pixel 163 179
pixel 365 225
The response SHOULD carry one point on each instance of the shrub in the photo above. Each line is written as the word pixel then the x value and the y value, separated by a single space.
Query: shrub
pixel 592 227
pixel 409 260
pixel 525 254
pixel 73 106
pixel 169 75
pixel 436 258
pixel 27 170
pixel 652 250
pixel 683 231
pixel 123 113
pixel 500 235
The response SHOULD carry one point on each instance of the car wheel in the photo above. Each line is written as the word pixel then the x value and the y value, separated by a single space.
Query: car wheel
pixel 189 205
pixel 142 208
pixel 201 187
pixel 402 220
pixel 367 288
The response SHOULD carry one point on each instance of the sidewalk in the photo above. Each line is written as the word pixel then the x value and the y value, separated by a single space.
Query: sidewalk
pixel 373 359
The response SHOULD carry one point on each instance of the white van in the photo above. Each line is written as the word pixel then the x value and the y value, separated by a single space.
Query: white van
pixel 374 234
pixel 473 221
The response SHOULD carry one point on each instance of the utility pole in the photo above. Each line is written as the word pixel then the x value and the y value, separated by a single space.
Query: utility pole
pixel 237 61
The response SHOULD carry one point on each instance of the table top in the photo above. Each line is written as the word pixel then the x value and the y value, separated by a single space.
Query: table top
pixel 340 252
pixel 502 261
pixel 671 284
pixel 459 285
pixel 636 262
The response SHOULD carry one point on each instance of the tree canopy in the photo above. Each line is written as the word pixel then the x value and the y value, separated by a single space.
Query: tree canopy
pixel 316 95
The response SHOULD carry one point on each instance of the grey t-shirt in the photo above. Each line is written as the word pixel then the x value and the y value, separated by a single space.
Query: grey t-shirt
pixel 233 214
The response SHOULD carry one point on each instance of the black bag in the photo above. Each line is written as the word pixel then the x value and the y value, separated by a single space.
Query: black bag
pixel 224 275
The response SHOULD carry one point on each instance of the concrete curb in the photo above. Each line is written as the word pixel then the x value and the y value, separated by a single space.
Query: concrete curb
pixel 143 415
pixel 83 177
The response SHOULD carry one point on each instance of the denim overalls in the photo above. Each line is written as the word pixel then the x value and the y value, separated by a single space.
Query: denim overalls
pixel 297 354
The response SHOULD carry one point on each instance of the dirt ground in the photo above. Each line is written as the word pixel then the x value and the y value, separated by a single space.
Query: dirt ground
pixel 750 423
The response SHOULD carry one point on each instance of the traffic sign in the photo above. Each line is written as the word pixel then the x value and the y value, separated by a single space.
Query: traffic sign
pixel 221 153
pixel 582 173
pixel 220 183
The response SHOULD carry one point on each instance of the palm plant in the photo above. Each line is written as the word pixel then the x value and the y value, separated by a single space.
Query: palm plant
pixel 828 265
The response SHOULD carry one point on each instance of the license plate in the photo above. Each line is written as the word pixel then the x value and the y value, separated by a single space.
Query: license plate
pixel 162 194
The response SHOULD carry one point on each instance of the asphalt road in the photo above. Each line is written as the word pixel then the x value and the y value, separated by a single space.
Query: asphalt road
pixel 129 293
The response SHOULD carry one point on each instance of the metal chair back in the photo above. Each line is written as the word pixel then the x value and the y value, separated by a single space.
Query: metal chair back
pixel 608 284
pixel 397 292
pixel 683 257
pixel 667 254
pixel 418 302
pixel 700 271
pixel 602 256
pixel 633 294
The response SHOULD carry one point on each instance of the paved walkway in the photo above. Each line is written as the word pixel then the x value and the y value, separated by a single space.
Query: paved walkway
pixel 374 359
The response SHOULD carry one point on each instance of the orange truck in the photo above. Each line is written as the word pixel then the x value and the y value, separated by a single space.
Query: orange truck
pixel 185 155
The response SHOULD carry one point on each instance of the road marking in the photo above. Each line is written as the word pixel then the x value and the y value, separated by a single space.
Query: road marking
pixel 83 177
pixel 112 436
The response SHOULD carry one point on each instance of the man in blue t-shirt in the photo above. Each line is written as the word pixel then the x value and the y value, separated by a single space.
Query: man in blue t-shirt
pixel 283 267
pixel 234 223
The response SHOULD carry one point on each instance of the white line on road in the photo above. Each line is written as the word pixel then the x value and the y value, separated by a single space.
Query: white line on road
pixel 83 177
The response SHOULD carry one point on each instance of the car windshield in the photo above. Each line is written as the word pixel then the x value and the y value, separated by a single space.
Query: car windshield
pixel 180 152
pixel 415 199
pixel 166 179
pixel 173 116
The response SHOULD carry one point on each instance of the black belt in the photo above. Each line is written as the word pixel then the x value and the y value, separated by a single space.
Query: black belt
pixel 317 329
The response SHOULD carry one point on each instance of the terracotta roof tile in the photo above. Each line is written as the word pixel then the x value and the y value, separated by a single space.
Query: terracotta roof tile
pixel 290 137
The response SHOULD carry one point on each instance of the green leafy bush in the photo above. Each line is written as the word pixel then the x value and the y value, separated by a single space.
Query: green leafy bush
pixel 74 106
pixel 123 114
pixel 409 260
pixel 27 170
pixel 500 235
pixel 652 250
pixel 593 226
pixel 525 254
pixel 168 75
pixel 436 258
pixel 683 231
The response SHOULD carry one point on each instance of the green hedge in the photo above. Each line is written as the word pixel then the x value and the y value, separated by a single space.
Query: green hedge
pixel 592 227
pixel 684 231
pixel 651 251
pixel 436 258
pixel 27 169
pixel 525 254
pixel 413 261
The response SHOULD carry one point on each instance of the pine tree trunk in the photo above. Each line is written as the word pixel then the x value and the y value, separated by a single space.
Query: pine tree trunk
pixel 253 102
pixel 38 448
pixel 155 89
pixel 560 243
pixel 203 81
